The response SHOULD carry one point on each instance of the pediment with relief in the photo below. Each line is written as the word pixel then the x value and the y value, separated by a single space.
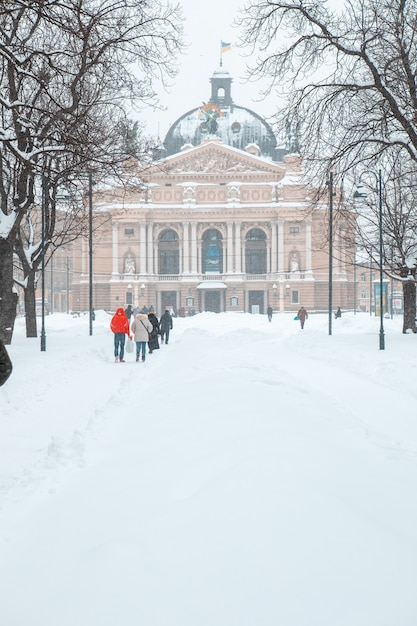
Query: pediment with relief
pixel 216 160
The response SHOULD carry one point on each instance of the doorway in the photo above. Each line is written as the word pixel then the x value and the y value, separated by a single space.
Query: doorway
pixel 212 301
pixel 169 301
pixel 256 302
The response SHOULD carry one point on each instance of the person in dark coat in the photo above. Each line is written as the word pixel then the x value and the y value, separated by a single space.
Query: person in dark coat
pixel 269 313
pixel 128 311
pixel 153 342
pixel 166 325
pixel 338 313
pixel 5 364
pixel 302 316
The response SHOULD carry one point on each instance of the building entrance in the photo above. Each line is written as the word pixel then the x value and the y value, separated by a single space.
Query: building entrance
pixel 168 301
pixel 212 301
pixel 256 302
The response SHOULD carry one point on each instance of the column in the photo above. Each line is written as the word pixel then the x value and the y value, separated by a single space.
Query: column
pixel 194 247
pixel 274 250
pixel 150 256
pixel 142 249
pixel 238 248
pixel 186 247
pixel 115 248
pixel 309 262
pixel 229 267
pixel 281 264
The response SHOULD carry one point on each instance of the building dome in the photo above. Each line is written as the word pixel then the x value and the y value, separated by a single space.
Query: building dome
pixel 235 125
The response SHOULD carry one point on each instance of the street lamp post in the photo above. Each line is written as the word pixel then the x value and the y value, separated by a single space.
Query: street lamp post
pixel 381 273
pixel 355 286
pixel 330 250
pixel 359 194
pixel 90 250
pixel 43 201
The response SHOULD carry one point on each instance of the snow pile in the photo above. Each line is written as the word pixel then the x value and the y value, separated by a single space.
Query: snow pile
pixel 247 473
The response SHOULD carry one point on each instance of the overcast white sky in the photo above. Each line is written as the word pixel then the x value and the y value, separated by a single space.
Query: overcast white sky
pixel 205 27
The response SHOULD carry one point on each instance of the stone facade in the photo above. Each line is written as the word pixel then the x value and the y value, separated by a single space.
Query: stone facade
pixel 213 228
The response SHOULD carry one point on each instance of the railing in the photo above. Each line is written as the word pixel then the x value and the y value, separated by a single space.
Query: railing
pixel 255 276
pixel 212 276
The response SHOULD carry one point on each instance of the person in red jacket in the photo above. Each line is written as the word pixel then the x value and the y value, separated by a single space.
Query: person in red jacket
pixel 119 325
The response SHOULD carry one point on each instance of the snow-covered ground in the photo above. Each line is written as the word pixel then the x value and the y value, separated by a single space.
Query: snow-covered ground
pixel 247 474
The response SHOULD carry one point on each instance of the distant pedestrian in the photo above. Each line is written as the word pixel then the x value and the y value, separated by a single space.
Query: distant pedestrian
pixel 141 327
pixel 153 342
pixel 165 324
pixel 302 316
pixel 5 364
pixel 338 313
pixel 119 325
pixel 128 311
pixel 269 312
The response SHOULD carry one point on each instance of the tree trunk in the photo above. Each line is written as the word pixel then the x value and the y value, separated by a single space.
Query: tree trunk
pixel 30 306
pixel 409 293
pixel 8 297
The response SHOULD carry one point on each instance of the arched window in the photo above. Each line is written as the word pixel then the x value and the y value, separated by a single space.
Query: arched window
pixel 255 251
pixel 169 255
pixel 212 258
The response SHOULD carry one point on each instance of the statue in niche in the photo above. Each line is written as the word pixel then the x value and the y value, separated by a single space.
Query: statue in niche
pixel 294 266
pixel 129 265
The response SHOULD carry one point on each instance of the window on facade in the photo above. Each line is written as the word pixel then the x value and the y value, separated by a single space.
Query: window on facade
pixel 294 297
pixel 363 277
pixel 168 252
pixel 189 301
pixel 212 257
pixel 129 232
pixel 294 229
pixel 234 301
pixel 255 251
pixel 363 294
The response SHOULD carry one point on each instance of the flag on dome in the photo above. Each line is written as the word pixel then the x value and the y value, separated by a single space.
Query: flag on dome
pixel 226 46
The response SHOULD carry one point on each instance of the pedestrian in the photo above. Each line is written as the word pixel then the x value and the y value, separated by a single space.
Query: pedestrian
pixel 338 313
pixel 128 311
pixel 119 325
pixel 165 324
pixel 141 327
pixel 5 364
pixel 269 313
pixel 153 342
pixel 302 316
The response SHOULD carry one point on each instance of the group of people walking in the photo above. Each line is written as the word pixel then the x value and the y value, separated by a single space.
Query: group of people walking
pixel 302 315
pixel 144 331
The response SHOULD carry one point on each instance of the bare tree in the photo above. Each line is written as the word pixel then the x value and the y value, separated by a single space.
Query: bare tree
pixel 399 227
pixel 69 70
pixel 348 78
